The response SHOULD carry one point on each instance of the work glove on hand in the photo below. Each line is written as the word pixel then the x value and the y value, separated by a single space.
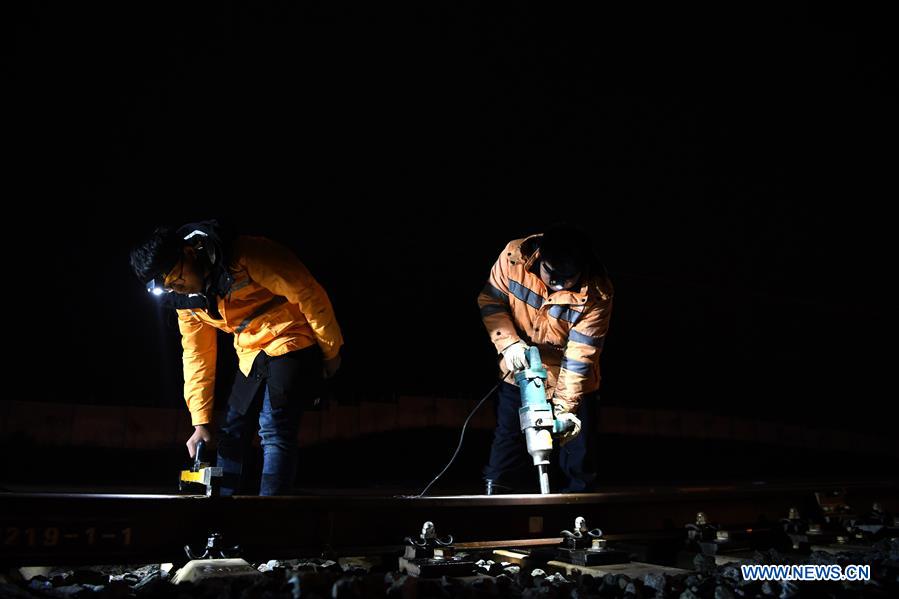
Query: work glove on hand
pixel 516 356
pixel 561 413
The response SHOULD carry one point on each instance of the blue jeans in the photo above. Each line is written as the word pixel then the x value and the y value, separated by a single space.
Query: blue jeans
pixel 278 428
pixel 509 455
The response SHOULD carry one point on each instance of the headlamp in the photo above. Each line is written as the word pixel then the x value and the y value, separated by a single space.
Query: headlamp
pixel 156 285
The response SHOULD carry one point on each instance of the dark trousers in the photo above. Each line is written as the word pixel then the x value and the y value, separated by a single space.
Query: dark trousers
pixel 275 394
pixel 278 428
pixel 509 459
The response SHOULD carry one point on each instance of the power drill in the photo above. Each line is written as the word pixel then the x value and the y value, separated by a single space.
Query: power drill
pixel 536 416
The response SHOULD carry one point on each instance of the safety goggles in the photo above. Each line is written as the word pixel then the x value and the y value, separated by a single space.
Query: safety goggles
pixel 559 278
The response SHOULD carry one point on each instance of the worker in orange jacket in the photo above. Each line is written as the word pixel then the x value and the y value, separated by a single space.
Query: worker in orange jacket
pixel 285 334
pixel 550 291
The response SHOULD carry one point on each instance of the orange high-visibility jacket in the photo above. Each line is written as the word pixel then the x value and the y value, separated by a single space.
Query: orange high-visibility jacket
pixel 568 327
pixel 275 306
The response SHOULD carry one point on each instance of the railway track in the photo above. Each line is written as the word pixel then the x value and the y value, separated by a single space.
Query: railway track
pixel 85 528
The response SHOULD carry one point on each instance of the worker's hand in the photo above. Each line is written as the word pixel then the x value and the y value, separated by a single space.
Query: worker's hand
pixel 516 356
pixel 201 433
pixel 565 416
pixel 331 366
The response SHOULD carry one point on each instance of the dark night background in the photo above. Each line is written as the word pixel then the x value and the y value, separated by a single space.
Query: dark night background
pixel 734 164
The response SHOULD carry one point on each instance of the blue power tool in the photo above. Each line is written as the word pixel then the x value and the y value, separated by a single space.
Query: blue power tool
pixel 536 416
